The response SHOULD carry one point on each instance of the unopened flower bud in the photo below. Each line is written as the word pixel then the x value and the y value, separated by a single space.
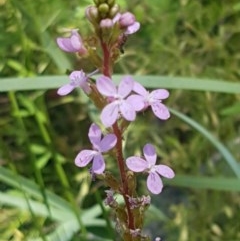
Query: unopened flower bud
pixel 127 19
pixel 103 9
pixel 92 14
pixel 114 10
pixel 110 2
pixel 106 24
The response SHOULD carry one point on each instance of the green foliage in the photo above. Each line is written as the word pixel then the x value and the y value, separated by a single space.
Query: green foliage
pixel 45 197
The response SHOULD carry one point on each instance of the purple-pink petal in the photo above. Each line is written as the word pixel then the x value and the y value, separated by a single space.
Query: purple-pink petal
pixel 150 154
pixel 71 44
pixel 94 134
pixel 125 86
pixel 77 76
pixel 79 79
pixel 84 157
pixel 109 114
pixel 165 171
pixel 106 86
pixel 85 87
pixel 108 142
pixel 65 89
pixel 136 101
pixel 127 19
pixel 132 28
pixel 136 164
pixel 98 166
pixel 116 18
pixel 127 111
pixel 160 110
pixel 139 89
pixel 159 94
pixel 154 183
pixel 106 23
pixel 65 45
pixel 76 41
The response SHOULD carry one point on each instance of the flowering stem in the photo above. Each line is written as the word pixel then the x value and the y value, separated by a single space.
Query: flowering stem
pixel 107 69
pixel 106 60
pixel 122 171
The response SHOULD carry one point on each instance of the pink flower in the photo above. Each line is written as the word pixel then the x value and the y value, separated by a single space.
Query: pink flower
pixel 127 22
pixel 127 19
pixel 100 145
pixel 138 164
pixel 119 104
pixel 132 28
pixel 72 44
pixel 77 79
pixel 153 99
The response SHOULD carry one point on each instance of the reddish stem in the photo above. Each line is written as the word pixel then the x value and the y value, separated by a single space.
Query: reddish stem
pixel 107 70
pixel 121 167
pixel 106 60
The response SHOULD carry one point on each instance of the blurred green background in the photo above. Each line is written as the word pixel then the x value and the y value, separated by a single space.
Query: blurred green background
pixel 41 133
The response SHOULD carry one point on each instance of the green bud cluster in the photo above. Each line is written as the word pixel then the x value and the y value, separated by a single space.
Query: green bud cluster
pixel 107 8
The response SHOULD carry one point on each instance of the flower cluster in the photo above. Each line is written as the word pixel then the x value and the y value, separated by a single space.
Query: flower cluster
pixel 124 100
pixel 129 98
pixel 118 104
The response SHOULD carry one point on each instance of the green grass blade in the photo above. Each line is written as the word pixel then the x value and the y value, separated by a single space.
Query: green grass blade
pixel 65 229
pixel 40 209
pixel 214 183
pixel 37 207
pixel 31 188
pixel 231 161
pixel 187 83
pixel 52 82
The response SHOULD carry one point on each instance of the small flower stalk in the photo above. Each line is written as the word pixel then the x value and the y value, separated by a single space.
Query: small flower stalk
pixel 119 106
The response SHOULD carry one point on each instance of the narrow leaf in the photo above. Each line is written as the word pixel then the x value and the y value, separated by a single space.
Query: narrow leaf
pixel 231 161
